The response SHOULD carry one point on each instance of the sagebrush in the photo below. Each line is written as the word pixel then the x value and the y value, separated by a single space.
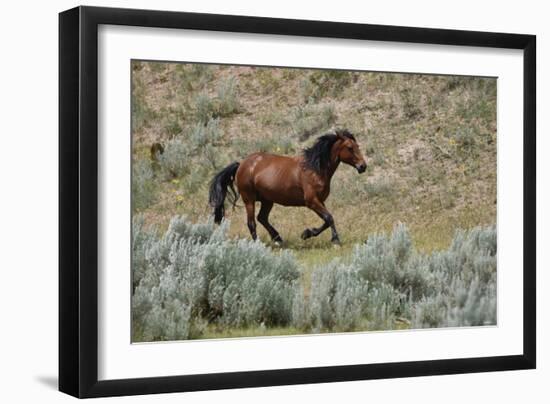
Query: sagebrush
pixel 193 276
pixel 387 283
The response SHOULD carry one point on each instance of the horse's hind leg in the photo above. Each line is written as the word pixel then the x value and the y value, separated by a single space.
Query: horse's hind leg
pixel 263 218
pixel 250 220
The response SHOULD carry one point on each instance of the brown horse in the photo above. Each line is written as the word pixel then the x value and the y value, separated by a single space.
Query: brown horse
pixel 302 180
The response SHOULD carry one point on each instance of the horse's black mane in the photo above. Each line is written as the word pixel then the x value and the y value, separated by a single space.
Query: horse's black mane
pixel 317 157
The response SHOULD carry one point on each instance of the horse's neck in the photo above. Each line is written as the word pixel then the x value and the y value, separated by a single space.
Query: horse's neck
pixel 326 176
pixel 333 165
pixel 331 170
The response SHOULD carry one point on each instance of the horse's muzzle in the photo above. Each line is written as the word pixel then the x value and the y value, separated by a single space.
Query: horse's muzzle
pixel 361 168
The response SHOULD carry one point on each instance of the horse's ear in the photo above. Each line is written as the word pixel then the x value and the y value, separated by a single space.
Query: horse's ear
pixel 344 134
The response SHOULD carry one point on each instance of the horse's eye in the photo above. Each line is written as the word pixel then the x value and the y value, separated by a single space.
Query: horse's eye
pixel 350 148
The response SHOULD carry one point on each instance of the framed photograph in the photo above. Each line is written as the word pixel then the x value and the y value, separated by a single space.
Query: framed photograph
pixel 251 201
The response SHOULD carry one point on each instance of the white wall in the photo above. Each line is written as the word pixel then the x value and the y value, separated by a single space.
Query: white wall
pixel 28 206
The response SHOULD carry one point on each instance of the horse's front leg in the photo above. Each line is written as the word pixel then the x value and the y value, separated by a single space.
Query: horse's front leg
pixel 328 221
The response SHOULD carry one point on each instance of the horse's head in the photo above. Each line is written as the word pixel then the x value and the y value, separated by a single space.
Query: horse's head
pixel 348 151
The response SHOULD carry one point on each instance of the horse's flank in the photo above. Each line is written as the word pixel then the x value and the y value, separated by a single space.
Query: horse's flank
pixel 272 177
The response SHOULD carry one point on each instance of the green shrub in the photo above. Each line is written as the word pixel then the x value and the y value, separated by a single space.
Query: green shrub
pixel 190 77
pixel 309 120
pixel 228 100
pixel 410 100
pixel 387 280
pixel 181 152
pixel 465 276
pixel 301 312
pixel 142 113
pixel 141 239
pixel 175 161
pixel 322 83
pixel 337 298
pixel 172 124
pixel 224 104
pixel 250 285
pixel 392 260
pixel 198 177
pixel 204 108
pixel 203 134
pixel 143 184
pixel 193 274
pixel 472 304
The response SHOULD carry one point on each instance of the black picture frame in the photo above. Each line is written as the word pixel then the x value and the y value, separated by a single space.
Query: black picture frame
pixel 78 201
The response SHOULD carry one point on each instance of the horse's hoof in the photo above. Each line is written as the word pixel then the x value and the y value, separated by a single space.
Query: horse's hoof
pixel 336 243
pixel 306 234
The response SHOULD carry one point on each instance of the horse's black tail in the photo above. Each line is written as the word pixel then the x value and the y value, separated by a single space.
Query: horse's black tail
pixel 219 185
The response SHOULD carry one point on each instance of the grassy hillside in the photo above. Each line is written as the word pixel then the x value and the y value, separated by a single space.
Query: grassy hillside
pixel 430 144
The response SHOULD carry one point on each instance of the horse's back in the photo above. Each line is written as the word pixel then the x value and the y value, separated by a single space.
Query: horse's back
pixel 271 177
